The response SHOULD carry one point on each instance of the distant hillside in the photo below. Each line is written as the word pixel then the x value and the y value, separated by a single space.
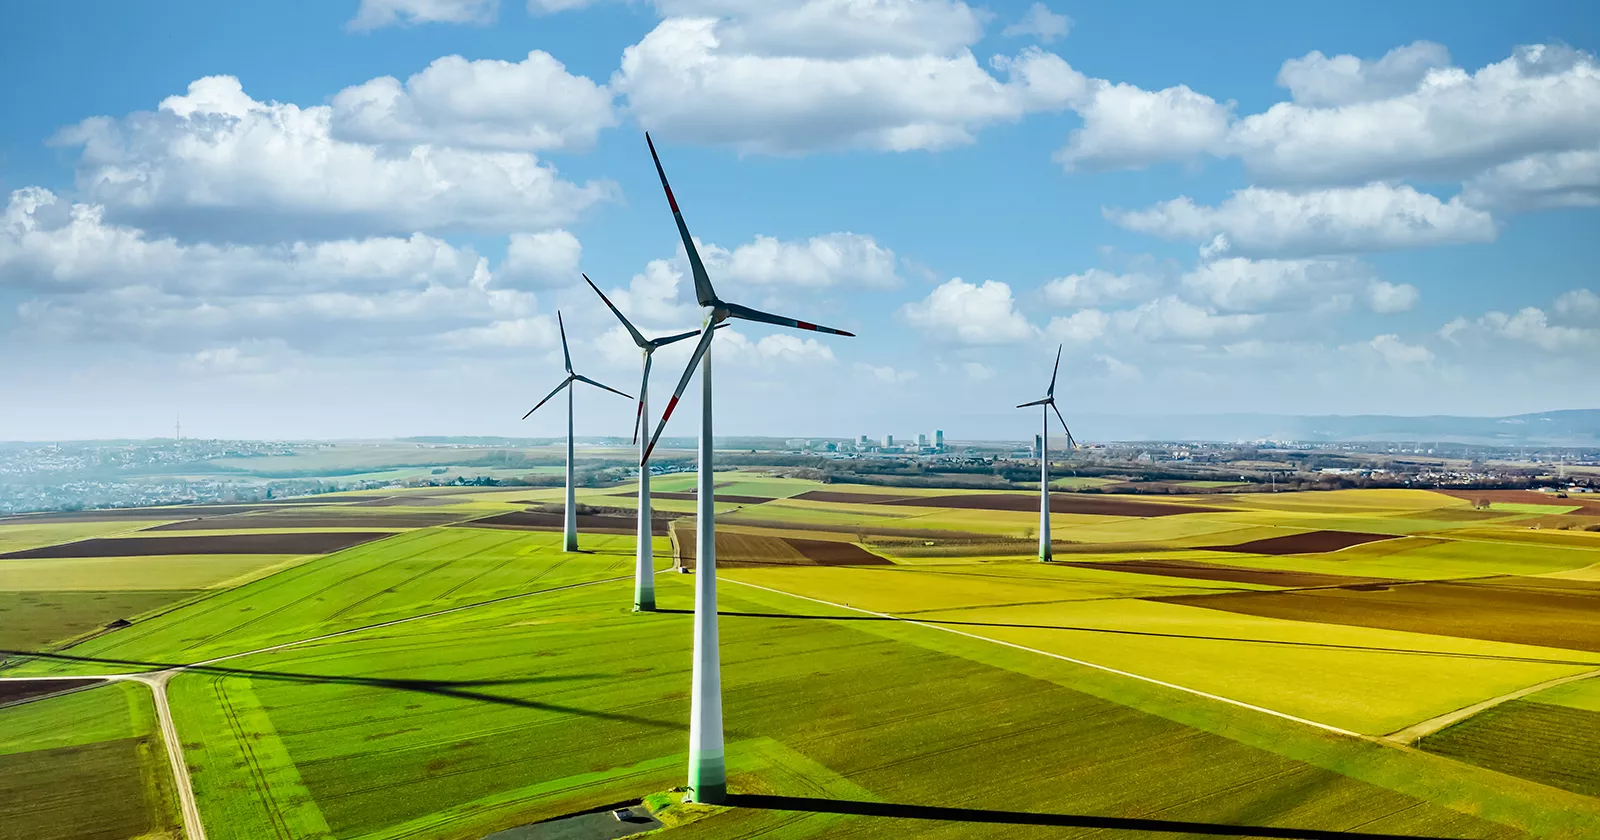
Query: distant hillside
pixel 1579 427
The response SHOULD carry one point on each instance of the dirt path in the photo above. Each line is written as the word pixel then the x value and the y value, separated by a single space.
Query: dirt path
pixel 1417 731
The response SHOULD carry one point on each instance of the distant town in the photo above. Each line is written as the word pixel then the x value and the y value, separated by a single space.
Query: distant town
pixel 119 474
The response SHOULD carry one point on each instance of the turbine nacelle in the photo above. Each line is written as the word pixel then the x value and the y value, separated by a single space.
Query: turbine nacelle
pixel 1050 400
pixel 719 311
pixel 566 358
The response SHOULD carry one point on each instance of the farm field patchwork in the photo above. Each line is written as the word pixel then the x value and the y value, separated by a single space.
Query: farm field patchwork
pixel 452 680
pixel 85 765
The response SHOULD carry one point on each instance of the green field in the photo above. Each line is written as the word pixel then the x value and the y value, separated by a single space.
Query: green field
pixel 453 681
pixel 85 764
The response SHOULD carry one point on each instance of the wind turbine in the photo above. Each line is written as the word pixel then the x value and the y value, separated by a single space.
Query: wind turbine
pixel 708 781
pixel 569 528
pixel 644 583
pixel 1049 402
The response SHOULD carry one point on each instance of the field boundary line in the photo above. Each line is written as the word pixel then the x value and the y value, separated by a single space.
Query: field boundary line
pixel 1417 731
pixel 1152 680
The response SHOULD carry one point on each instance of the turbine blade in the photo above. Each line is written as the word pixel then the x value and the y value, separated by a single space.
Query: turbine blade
pixel 688 372
pixel 644 385
pixel 1044 401
pixel 637 338
pixel 702 283
pixel 581 378
pixel 1054 371
pixel 564 383
pixel 748 314
pixel 673 339
pixel 565 356
pixel 1063 420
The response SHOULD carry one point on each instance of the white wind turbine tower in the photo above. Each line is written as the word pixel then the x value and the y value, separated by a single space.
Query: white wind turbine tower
pixel 644 583
pixel 569 528
pixel 707 770
pixel 1049 402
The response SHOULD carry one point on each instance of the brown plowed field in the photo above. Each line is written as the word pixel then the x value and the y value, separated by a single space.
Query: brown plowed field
pixel 593 523
pixel 721 497
pixel 734 549
pixel 839 497
pixel 1496 609
pixel 310 519
pixel 1233 574
pixel 304 542
pixel 119 514
pixel 12 691
pixel 1589 503
pixel 1311 542
pixel 1085 503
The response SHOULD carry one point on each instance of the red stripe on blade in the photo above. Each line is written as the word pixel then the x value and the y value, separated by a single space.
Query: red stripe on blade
pixel 805 326
pixel 673 202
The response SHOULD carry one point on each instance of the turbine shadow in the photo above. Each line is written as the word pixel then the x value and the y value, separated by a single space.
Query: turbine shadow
pixel 977 815
pixel 1152 634
pixel 456 689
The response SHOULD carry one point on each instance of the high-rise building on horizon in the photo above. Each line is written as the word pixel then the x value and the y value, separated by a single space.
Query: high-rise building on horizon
pixel 922 441
pixel 888 441
pixel 1038 446
pixel 938 439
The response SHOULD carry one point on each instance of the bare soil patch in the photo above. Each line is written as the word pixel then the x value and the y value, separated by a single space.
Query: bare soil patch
pixel 840 497
pixel 15 691
pixel 311 519
pixel 547 521
pixel 735 549
pixel 1505 609
pixel 1084 503
pixel 305 542
pixel 1311 542
pixel 1233 574
pixel 732 499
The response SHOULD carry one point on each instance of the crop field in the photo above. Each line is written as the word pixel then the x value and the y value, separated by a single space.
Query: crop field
pixel 1350 664
pixel 85 765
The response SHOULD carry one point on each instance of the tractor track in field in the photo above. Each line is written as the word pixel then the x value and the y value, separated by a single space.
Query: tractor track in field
pixel 156 681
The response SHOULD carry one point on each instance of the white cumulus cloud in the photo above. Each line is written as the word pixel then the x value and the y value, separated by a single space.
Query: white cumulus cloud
pixel 1318 80
pixel 533 104
pixel 1039 22
pixel 375 14
pixel 1126 127
pixel 847 259
pixel 215 162
pixel 970 314
pixel 1260 221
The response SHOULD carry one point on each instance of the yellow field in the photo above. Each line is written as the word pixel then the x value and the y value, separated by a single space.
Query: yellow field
pixel 104 574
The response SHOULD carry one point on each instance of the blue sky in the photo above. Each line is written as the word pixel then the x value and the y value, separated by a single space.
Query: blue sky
pixel 358 219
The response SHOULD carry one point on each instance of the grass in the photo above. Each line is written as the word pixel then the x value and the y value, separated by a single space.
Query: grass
pixel 150 572
pixel 1549 744
pixel 570 701
pixel 34 620
pixel 1364 679
pixel 86 764
pixel 539 699
pixel 406 575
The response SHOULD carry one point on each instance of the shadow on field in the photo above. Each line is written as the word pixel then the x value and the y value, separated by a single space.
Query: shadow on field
pixel 976 815
pixel 1109 631
pixel 456 689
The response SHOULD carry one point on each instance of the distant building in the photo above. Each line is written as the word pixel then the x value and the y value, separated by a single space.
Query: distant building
pixel 1038 446
pixel 863 443
pixel 922 441
pixel 938 439
pixel 888 441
